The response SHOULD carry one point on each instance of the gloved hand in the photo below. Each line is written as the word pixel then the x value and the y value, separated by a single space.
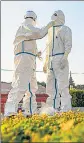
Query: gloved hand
pixel 45 69
pixel 39 55
pixel 51 23
pixel 63 61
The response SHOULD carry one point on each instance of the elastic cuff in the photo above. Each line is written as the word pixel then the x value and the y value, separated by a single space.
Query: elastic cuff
pixel 66 54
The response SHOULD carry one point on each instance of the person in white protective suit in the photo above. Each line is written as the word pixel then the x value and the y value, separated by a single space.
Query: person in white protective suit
pixel 24 81
pixel 56 65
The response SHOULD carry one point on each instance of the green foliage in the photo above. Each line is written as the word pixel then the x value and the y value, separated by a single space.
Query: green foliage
pixel 62 127
pixel 77 97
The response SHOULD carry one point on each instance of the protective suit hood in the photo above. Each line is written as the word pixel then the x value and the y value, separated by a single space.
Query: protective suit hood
pixel 59 17
pixel 29 21
pixel 23 29
pixel 30 18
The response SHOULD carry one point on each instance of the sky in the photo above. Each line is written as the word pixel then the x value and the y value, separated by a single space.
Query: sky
pixel 12 15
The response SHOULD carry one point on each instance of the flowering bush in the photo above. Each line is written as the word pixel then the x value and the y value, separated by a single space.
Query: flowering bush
pixel 62 127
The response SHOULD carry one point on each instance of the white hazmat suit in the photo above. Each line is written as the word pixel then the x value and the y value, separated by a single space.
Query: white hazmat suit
pixel 24 81
pixel 59 45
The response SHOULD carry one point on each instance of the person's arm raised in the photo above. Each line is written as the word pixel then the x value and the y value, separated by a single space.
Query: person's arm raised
pixel 40 33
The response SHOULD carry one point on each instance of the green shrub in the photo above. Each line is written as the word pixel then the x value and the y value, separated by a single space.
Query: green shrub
pixel 77 97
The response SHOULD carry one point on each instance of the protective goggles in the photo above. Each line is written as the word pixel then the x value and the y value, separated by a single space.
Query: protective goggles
pixel 55 14
pixel 31 18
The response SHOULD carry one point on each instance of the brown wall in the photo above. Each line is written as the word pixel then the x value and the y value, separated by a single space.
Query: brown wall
pixel 39 98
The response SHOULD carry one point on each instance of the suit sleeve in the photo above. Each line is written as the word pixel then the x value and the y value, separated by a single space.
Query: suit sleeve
pixel 39 33
pixel 68 41
pixel 47 55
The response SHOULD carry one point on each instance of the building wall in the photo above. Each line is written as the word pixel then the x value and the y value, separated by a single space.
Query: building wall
pixel 39 98
pixel 3 101
pixel 6 87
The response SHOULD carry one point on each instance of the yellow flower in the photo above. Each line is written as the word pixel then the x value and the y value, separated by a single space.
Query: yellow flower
pixel 54 128
pixel 13 139
pixel 35 138
pixel 27 132
pixel 67 125
pixel 8 129
pixel 58 123
pixel 47 138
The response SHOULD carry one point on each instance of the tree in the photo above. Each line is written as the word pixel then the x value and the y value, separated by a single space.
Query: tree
pixel 79 86
pixel 71 81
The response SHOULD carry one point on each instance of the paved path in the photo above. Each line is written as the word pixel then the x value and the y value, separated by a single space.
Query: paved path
pixel 76 108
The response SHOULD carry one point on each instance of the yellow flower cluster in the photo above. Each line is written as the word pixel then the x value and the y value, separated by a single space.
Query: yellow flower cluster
pixel 62 127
